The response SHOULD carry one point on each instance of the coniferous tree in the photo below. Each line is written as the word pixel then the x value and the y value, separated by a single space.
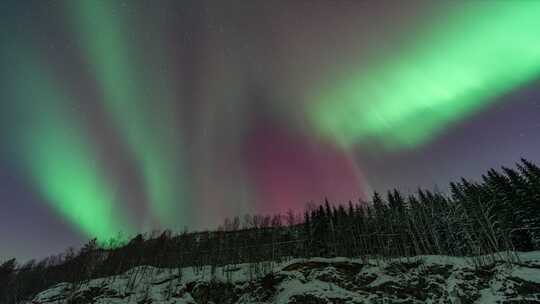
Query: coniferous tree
pixel 7 272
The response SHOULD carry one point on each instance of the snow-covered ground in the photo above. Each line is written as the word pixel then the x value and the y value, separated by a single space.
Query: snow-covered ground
pixel 422 279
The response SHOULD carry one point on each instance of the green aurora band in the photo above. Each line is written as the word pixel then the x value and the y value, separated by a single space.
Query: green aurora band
pixel 454 69
pixel 52 151
pixel 132 92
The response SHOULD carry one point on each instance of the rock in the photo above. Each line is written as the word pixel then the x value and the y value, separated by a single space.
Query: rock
pixel 317 281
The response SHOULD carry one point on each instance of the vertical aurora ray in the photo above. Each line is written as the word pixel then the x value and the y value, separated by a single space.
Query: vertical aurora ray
pixel 456 68
pixel 138 108
pixel 52 150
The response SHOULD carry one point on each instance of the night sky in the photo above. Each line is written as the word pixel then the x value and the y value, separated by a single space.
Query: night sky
pixel 130 116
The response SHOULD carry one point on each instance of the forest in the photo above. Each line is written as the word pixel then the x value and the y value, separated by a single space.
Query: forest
pixel 496 215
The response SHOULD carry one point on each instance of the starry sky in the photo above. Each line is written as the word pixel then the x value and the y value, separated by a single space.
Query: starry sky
pixel 129 116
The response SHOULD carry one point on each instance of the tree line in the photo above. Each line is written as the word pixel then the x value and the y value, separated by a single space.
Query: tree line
pixel 499 213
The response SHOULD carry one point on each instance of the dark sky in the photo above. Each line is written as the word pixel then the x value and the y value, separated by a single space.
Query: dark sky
pixel 141 115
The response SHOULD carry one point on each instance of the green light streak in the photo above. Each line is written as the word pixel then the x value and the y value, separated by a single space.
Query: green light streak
pixel 137 107
pixel 52 149
pixel 451 71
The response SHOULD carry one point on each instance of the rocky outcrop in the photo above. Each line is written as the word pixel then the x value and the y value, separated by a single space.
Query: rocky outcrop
pixel 424 279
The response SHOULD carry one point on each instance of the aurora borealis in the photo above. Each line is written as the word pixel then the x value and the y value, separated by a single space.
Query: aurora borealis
pixel 455 69
pixel 58 161
pixel 120 116
pixel 153 140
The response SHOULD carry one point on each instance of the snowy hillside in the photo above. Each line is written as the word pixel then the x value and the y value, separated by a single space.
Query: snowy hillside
pixel 423 279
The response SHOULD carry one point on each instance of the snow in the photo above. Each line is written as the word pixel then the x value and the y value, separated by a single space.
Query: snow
pixel 526 274
pixel 422 279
